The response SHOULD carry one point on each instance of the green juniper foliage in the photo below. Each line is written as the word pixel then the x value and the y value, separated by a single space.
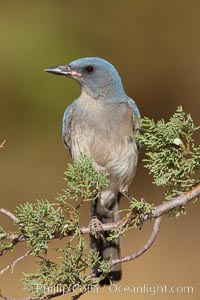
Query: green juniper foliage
pixel 171 155
pixel 172 159
pixel 133 218
pixel 43 221
pixel 39 222
pixel 83 181
pixel 4 243
pixel 71 271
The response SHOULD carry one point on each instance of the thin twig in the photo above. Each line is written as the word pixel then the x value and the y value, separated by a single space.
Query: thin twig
pixel 76 297
pixel 8 214
pixel 13 264
pixel 2 144
pixel 10 237
pixel 178 201
pixel 144 248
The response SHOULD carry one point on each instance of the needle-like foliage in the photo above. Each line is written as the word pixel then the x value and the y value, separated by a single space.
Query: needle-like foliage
pixel 174 162
pixel 171 155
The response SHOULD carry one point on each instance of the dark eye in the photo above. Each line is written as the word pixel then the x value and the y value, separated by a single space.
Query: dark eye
pixel 89 69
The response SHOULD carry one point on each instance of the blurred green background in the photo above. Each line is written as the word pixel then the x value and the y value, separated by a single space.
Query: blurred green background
pixel 155 45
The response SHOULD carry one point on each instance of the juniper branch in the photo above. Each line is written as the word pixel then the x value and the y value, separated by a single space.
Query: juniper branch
pixel 144 248
pixel 2 144
pixel 156 214
pixel 13 264
pixel 8 214
pixel 159 210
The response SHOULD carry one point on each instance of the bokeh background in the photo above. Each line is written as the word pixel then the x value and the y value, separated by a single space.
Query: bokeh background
pixel 155 45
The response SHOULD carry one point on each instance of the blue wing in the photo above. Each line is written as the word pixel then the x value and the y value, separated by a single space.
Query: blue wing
pixel 134 107
pixel 136 122
pixel 66 126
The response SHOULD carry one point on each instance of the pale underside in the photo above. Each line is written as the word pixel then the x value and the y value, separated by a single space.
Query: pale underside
pixel 105 133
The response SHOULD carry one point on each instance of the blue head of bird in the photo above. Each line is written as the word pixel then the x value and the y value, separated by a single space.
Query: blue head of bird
pixel 97 77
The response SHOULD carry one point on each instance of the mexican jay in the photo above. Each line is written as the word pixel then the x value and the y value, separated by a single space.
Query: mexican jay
pixel 102 124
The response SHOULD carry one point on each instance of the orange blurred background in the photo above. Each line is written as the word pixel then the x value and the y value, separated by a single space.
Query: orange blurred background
pixel 155 46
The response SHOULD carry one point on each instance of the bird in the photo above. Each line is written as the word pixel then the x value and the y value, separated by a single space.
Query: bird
pixel 102 123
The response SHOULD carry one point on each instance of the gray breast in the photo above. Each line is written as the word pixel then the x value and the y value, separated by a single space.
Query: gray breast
pixel 105 133
pixel 98 130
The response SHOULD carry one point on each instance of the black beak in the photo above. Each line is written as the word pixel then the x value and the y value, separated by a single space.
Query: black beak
pixel 63 71
pixel 59 70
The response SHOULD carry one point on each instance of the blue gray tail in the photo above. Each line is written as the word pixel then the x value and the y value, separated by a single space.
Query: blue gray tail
pixel 107 249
